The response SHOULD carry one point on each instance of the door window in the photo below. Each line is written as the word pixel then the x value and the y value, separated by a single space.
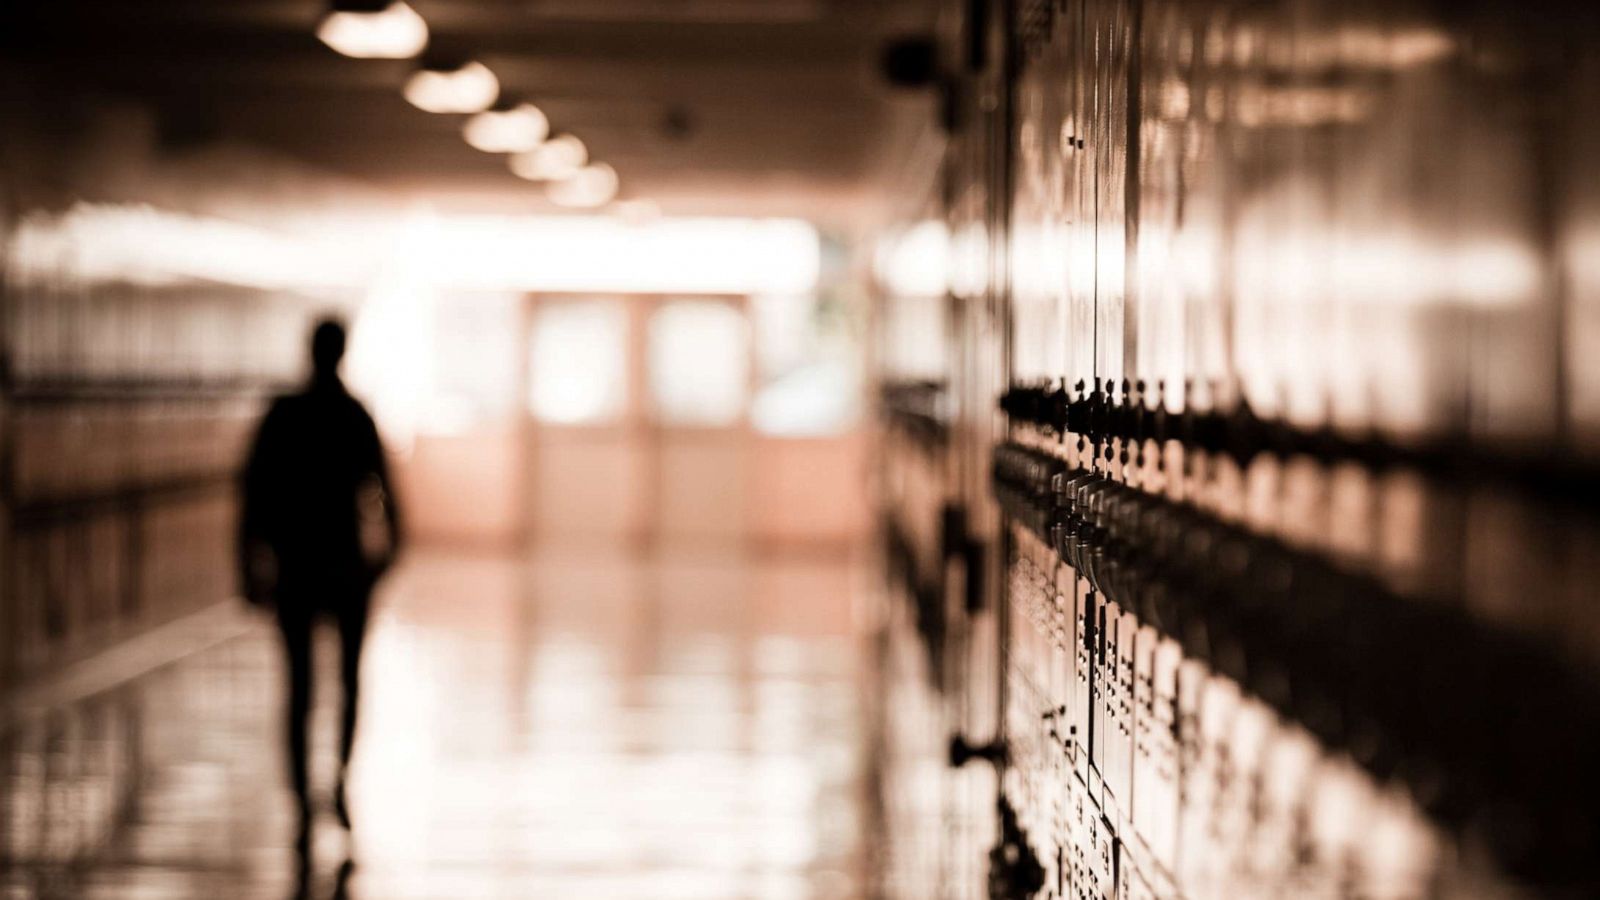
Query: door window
pixel 578 366
pixel 699 363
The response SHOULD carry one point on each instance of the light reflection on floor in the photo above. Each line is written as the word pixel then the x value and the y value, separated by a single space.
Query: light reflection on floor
pixel 572 728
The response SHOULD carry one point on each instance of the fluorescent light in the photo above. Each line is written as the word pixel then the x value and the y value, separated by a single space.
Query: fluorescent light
pixel 92 244
pixel 468 89
pixel 579 253
pixel 555 159
pixel 591 186
pixel 374 31
pixel 515 130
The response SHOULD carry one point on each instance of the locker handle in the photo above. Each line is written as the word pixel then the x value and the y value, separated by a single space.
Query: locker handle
pixel 963 752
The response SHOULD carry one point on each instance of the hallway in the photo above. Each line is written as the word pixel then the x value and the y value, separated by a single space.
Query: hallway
pixel 596 726
pixel 837 449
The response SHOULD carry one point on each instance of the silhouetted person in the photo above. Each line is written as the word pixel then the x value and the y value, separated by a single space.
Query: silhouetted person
pixel 318 526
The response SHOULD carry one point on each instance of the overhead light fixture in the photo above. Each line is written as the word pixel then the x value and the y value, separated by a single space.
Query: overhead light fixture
pixel 463 88
pixel 512 129
pixel 373 29
pixel 591 186
pixel 555 159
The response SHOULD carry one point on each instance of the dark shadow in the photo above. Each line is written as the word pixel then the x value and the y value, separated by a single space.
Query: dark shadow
pixel 302 877
pixel 341 881
pixel 305 880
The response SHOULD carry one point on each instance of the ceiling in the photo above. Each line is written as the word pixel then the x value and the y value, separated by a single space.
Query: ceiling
pixel 746 107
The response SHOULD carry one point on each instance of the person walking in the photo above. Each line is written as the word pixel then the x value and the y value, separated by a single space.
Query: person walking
pixel 318 527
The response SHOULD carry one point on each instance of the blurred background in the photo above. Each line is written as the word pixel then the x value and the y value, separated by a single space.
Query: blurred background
pixel 601 267
pixel 848 448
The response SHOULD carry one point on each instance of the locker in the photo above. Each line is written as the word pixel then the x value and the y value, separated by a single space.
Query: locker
pixel 1161 813
pixel 1298 351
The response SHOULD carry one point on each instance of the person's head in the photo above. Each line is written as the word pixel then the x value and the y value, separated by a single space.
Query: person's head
pixel 327 349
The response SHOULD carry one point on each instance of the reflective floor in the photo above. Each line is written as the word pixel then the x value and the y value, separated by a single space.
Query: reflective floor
pixel 574 728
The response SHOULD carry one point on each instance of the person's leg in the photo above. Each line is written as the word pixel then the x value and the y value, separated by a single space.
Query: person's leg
pixel 295 626
pixel 352 635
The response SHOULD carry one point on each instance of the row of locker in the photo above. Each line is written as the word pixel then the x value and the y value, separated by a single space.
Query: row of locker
pixel 128 404
pixel 1161 774
pixel 1146 754
pixel 1295 281
pixel 1331 649
pixel 86 449
pixel 1330 616
pixel 81 583
pixel 119 515
pixel 108 336
pixel 1335 214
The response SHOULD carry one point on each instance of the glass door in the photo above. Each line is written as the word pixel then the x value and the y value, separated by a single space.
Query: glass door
pixel 588 472
pixel 639 420
pixel 698 371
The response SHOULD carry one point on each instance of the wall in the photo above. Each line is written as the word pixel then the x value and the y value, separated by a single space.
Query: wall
pixel 464 489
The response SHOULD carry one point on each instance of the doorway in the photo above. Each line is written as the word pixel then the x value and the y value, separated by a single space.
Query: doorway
pixel 638 419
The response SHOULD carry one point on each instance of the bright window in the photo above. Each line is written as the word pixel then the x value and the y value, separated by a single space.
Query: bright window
pixel 578 364
pixel 699 363
pixel 809 363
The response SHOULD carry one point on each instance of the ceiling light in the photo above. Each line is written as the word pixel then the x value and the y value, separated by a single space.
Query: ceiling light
pixel 553 160
pixel 515 130
pixel 373 29
pixel 591 186
pixel 468 88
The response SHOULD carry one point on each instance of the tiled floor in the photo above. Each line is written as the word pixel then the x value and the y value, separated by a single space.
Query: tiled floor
pixel 588 727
